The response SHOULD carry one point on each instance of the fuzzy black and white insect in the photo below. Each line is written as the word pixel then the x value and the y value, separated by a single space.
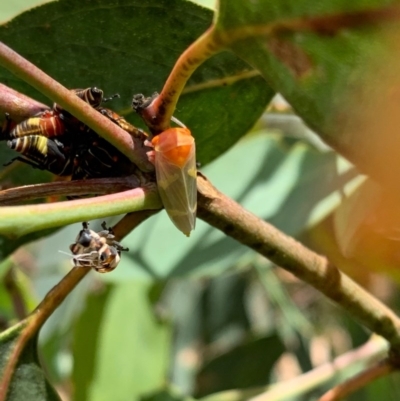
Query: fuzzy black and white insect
pixel 98 250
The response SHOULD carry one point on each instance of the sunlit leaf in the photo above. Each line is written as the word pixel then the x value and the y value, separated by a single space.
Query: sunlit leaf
pixel 131 339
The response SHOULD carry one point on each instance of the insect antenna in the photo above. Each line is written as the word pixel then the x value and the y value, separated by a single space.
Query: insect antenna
pixel 107 99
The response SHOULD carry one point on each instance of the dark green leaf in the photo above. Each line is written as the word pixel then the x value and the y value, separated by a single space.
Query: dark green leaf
pixel 246 366
pixel 125 47
pixel 29 381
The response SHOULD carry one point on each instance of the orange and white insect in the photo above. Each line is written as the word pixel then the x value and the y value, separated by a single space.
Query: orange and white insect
pixel 175 163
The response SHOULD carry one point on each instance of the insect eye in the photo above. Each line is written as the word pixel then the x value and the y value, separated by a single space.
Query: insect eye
pixel 84 238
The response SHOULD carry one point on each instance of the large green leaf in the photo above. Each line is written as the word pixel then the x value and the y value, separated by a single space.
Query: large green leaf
pixel 131 347
pixel 123 46
pixel 86 343
pixel 335 62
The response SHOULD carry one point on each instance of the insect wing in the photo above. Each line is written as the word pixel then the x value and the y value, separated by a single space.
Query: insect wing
pixel 176 177
pixel 89 259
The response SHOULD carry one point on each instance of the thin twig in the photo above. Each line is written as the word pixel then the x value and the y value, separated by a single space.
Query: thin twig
pixel 158 115
pixel 228 216
pixel 97 186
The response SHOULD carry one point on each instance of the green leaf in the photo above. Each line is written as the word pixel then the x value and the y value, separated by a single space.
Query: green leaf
pixel 122 46
pixel 86 343
pixel 334 62
pixel 388 385
pixel 131 346
pixel 242 367
pixel 184 299
pixel 29 381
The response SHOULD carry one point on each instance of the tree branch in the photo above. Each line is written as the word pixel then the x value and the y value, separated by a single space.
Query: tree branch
pixel 228 216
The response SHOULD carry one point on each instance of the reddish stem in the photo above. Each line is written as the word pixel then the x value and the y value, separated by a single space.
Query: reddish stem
pixel 158 114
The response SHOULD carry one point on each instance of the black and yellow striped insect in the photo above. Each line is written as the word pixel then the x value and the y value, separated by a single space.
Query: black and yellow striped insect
pixel 47 123
pixel 43 153
pixel 62 144
pixel 92 96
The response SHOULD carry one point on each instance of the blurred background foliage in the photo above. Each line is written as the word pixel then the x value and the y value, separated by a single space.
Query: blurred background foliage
pixel 183 318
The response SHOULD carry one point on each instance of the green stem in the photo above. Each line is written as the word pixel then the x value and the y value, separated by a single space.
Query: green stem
pixel 16 221
pixel 378 370
pixel 344 365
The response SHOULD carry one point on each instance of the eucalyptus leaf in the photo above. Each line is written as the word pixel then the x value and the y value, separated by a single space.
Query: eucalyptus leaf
pixel 335 62
pixel 133 342
pixel 29 381
pixel 125 47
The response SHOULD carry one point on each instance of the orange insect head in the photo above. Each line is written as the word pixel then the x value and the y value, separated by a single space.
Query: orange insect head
pixel 175 144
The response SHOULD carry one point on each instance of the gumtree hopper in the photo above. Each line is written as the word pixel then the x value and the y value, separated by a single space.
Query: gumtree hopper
pixel 175 164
